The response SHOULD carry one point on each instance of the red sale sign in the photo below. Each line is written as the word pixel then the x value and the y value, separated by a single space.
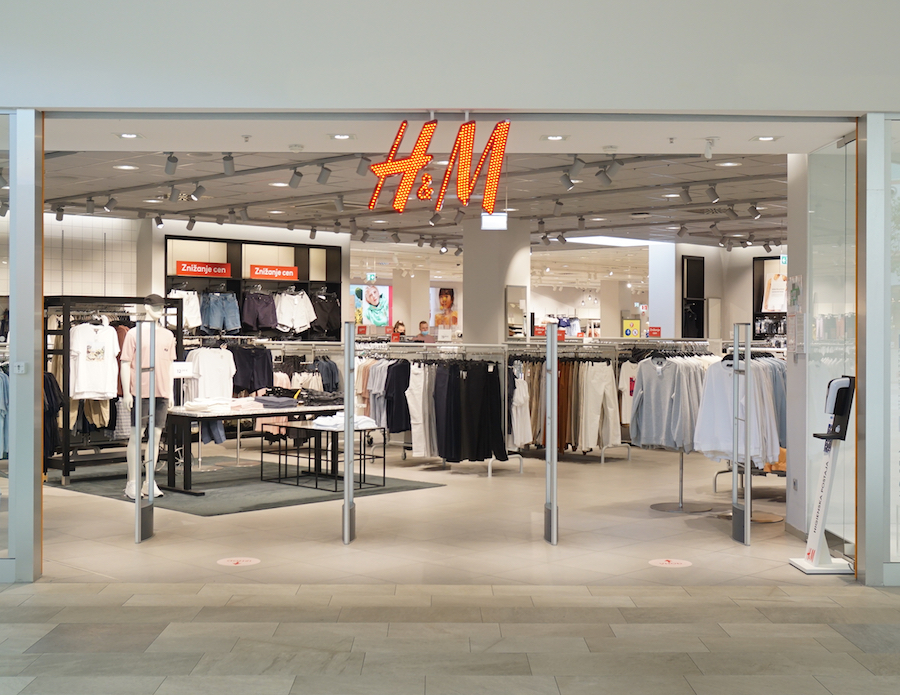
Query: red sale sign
pixel 540 330
pixel 273 272
pixel 203 269
pixel 655 331
pixel 560 334
pixel 360 330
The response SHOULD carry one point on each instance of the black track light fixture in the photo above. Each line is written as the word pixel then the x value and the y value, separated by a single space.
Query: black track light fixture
pixel 435 218
pixel 296 178
pixel 158 220
pixel 712 194
pixel 110 204
pixel 754 211
pixel 59 213
pixel 324 173
pixel 458 217
pixel 420 242
pixel 312 232
pixel 171 163
pixel 198 192
pixel 228 164
pixel 89 206
pixel 767 247
pixel 191 222
pixel 686 195
pixel 458 251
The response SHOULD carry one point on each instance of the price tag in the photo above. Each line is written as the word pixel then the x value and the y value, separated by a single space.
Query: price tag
pixel 182 370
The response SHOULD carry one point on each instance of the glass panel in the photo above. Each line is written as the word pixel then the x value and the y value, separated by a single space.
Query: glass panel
pixel 831 349
pixel 4 334
pixel 894 496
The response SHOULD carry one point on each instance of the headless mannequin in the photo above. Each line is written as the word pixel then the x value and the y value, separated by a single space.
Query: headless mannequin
pixel 154 312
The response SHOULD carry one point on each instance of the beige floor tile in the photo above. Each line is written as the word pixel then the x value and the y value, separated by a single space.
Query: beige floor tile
pixel 697 613
pixel 618 685
pixel 440 614
pixel 878 664
pixel 328 630
pixel 754 685
pixel 14 664
pixel 268 663
pixel 769 644
pixel 430 630
pixel 437 644
pixel 774 630
pixel 785 663
pixel 13 685
pixel 93 685
pixel 658 664
pixel 645 630
pixel 447 664
pixel 525 644
pixel 583 601
pixel 226 685
pixel 483 601
pixel 490 685
pixel 861 685
pixel 359 685
pixel 640 645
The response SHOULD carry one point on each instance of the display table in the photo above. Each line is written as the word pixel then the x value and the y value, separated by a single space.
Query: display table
pixel 317 443
pixel 178 432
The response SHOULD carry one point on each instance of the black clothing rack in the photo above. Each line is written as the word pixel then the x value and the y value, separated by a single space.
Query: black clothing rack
pixel 67 306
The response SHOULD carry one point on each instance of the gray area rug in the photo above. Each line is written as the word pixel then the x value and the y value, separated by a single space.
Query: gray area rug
pixel 229 489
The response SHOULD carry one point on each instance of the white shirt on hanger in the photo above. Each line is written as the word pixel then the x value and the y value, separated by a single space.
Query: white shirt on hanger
pixel 93 367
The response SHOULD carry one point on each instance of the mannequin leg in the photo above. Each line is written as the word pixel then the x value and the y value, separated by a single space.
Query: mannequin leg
pixel 157 434
pixel 130 490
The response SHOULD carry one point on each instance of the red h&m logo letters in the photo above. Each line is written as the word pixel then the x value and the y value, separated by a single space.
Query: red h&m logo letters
pixel 461 157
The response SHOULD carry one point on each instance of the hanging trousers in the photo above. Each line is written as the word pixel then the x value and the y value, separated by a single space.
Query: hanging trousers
pixel 600 407
pixel 415 401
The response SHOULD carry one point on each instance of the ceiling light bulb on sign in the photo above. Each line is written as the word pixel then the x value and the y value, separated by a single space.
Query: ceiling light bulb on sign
pixel 460 157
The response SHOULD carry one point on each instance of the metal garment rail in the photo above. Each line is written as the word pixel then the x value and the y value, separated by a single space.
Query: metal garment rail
pixel 741 514
pixel 348 516
pixel 551 507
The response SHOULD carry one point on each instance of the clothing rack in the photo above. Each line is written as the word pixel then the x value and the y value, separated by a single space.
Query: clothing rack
pixel 68 307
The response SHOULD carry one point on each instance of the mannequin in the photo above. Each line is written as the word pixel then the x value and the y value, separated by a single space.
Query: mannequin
pixel 165 355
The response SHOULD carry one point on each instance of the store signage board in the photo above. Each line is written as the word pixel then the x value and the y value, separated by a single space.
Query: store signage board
pixel 461 156
pixel 202 269
pixel 371 278
pixel 273 272
pixel 560 334
pixel 540 331
pixel 631 328
pixel 654 331
pixel 360 330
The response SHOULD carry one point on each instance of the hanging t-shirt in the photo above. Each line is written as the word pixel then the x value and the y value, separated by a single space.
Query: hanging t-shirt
pixel 165 355
pixel 93 366
pixel 214 369
pixel 627 375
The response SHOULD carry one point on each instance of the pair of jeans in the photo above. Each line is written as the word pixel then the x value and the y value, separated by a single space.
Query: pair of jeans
pixel 219 311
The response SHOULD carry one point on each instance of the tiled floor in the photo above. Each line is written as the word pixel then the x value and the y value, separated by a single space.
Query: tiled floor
pixel 474 530
pixel 447 591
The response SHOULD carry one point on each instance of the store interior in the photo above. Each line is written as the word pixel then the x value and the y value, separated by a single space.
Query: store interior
pixel 604 222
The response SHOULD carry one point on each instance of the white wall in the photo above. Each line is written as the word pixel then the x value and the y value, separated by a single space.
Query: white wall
pixel 737 302
pixel 784 57
pixel 664 303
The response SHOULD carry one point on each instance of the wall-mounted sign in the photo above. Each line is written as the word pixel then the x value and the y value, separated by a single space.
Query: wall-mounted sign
pixel 631 328
pixel 784 259
pixel 560 334
pixel 273 272
pixel 360 330
pixel 202 269
pixel 654 331
pixel 371 278
pixel 540 331
pixel 460 157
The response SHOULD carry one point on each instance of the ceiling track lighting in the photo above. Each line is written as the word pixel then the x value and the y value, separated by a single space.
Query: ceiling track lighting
pixel 686 195
pixel 4 208
pixel 750 240
pixel 110 204
pixel 171 163
pixel 174 193
pixel 198 192
pixel 353 227
pixel 722 242
pixel 767 247
pixel 458 217
pixel 395 237
pixel 545 240
pixel 603 177
pixel 708 149
pixel 443 248
pixel 577 166
pixel 557 208
pixel 566 181
pixel 433 243
pixel 540 226
pixel 613 168
pixel 561 238
pixel 220 219
pixel 191 223
pixel 339 203
pixel 324 173
pixel 337 227
pixel 731 213
pixel 245 215
pixel 158 220
pixel 312 232
pixel 228 164
pixel 458 251
pixel 291 226
pixel 89 206
pixel 232 216
pixel 754 212
pixel 141 214
pixel 745 244
pixel 435 218
pixel 59 213
pixel 365 236
pixel 581 224
pixel 420 242
pixel 714 227
pixel 296 178
pixel 682 230
pixel 363 167
pixel 3 181
pixel 712 194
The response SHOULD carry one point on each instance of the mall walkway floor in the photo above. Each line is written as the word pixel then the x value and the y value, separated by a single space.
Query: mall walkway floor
pixel 385 639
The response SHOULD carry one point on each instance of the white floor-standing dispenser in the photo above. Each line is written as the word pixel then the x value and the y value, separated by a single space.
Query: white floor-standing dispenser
pixel 837 405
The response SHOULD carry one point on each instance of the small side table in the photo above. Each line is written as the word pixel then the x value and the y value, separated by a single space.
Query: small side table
pixel 318 462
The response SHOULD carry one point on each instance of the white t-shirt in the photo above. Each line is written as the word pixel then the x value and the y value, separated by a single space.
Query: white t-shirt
pixel 93 366
pixel 627 374
pixel 165 355
pixel 214 369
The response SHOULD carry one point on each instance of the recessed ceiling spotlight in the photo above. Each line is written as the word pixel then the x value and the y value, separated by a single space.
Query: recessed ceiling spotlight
pixel 610 273
pixel 672 195
pixel 125 167
pixel 342 136
pixel 171 163
pixel 628 285
pixel 554 138
pixel 152 200
pixel 379 221
pixel 275 212
pixel 442 162
pixel 128 136
pixel 598 219
pixel 728 164
pixel 510 210
pixel 765 138
pixel 278 184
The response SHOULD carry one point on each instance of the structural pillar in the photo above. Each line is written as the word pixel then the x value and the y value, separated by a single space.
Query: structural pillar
pixel 664 297
pixel 26 300
pixel 492 260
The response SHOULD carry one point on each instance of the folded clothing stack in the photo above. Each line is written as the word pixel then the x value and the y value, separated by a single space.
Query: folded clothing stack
pixel 336 422
pixel 275 402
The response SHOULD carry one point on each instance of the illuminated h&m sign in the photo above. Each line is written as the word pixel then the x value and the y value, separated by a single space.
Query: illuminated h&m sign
pixel 460 157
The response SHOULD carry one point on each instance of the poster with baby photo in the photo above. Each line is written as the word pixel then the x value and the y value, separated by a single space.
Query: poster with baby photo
pixel 373 304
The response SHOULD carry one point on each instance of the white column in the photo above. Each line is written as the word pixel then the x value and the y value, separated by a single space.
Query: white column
pixel 493 260
pixel 664 297
pixel 150 277
pixel 610 309
pixel 419 300
pixel 26 299
pixel 797 432
pixel 402 296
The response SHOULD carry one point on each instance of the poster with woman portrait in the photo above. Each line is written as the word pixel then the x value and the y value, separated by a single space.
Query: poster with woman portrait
pixel 373 304
pixel 446 308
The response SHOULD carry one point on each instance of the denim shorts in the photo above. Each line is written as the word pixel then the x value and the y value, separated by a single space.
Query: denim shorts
pixel 162 407
pixel 220 311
